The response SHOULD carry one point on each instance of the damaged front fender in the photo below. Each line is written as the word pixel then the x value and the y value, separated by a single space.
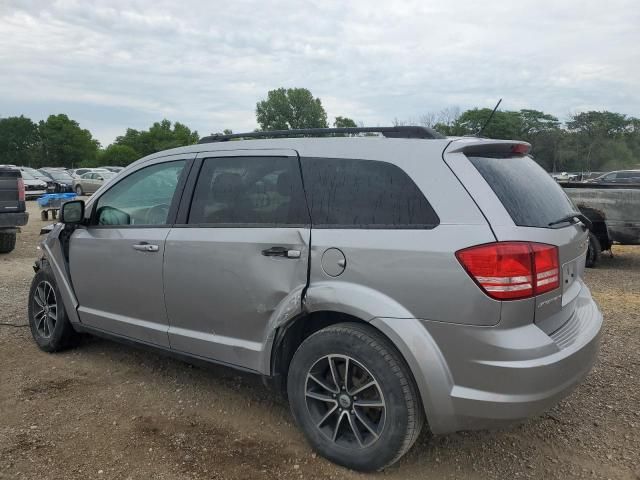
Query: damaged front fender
pixel 54 256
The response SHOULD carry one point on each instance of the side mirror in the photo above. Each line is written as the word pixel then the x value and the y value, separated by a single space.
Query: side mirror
pixel 100 178
pixel 72 212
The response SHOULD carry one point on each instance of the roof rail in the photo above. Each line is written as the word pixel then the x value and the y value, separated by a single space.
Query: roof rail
pixel 389 132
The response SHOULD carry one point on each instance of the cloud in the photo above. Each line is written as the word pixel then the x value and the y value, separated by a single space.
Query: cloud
pixel 120 64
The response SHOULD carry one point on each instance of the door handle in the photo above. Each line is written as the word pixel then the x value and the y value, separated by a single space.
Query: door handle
pixel 281 252
pixel 146 247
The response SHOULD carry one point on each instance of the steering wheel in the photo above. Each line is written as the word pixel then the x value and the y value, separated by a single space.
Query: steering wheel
pixel 157 215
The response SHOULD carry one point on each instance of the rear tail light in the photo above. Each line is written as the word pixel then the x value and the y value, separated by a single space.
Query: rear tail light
pixel 21 196
pixel 512 270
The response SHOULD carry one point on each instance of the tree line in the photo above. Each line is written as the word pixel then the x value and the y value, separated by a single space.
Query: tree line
pixel 587 141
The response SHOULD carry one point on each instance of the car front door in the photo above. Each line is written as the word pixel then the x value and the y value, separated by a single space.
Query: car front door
pixel 239 256
pixel 116 261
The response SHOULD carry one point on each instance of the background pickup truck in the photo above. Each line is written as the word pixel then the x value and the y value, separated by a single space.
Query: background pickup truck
pixel 614 211
pixel 12 207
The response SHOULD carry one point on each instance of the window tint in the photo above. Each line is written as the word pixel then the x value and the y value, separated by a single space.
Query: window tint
pixel 142 198
pixel 527 192
pixel 346 193
pixel 249 190
pixel 628 175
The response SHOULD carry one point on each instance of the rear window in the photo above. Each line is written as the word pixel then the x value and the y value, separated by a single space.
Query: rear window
pixel 528 193
pixel 350 193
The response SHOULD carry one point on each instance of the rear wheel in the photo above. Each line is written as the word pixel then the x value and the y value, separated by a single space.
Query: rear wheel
pixel 353 397
pixel 7 242
pixel 50 326
pixel 593 252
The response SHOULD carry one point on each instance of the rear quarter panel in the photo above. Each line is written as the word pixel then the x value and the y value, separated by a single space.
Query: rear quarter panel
pixel 410 273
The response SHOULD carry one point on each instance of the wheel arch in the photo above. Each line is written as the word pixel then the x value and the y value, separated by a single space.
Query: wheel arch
pixel 412 343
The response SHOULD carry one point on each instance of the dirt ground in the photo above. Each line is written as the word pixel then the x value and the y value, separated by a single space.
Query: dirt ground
pixel 109 411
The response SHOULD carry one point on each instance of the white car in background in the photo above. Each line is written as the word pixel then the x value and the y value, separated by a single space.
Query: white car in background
pixel 33 187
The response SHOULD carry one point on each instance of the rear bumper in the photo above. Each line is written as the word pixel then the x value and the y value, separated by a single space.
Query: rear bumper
pixel 9 220
pixel 492 376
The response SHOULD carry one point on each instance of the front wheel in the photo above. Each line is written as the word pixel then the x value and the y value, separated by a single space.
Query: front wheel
pixel 50 326
pixel 79 191
pixel 354 398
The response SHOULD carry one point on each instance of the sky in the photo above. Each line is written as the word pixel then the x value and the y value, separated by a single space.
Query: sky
pixel 121 64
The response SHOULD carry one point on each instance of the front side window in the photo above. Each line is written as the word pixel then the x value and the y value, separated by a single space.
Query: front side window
pixel 142 198
pixel 350 193
pixel 249 191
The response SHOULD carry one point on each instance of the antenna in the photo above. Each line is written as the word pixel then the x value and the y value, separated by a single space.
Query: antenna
pixel 479 134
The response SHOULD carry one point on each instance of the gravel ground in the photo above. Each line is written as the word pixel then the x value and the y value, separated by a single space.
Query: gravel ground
pixel 105 410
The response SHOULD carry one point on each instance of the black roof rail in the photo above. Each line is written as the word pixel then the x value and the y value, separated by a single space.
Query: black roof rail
pixel 389 132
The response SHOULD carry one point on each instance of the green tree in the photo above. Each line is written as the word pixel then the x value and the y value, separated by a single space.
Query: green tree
pixel 603 140
pixel 117 156
pixel 344 122
pixel 18 140
pixel 64 144
pixel 161 136
pixel 504 124
pixel 290 108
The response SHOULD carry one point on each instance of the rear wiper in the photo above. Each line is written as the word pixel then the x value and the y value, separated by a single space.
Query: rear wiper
pixel 572 219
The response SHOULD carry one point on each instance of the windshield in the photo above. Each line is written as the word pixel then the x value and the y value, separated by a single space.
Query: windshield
pixel 531 197
pixel 60 176
pixel 35 173
pixel 26 175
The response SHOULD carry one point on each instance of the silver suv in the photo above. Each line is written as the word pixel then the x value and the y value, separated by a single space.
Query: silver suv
pixel 380 281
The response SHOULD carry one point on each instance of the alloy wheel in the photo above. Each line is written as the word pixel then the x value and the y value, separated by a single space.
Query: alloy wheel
pixel 45 308
pixel 345 401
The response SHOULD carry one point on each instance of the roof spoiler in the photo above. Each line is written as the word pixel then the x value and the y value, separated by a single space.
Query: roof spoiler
pixel 482 146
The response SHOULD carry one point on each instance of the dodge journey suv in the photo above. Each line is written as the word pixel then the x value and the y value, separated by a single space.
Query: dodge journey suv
pixel 382 283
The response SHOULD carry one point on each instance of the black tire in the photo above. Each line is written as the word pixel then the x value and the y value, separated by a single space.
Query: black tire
pixel 61 335
pixel 399 420
pixel 44 215
pixel 7 242
pixel 593 252
pixel 79 191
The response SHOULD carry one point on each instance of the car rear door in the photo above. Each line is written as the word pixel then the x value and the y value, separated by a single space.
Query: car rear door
pixel 116 261
pixel 521 202
pixel 237 255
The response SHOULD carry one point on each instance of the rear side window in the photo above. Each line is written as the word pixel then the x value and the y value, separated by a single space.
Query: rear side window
pixel 249 191
pixel 529 194
pixel 349 193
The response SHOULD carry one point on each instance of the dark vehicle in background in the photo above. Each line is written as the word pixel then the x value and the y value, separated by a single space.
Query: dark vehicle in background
pixel 618 176
pixel 61 181
pixel 12 207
